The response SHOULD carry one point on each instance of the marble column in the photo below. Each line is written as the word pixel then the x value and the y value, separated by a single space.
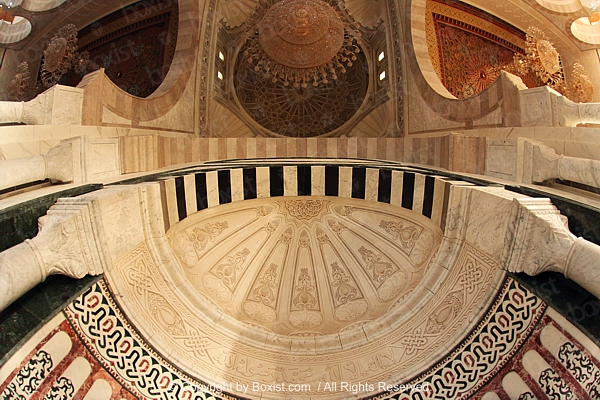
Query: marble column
pixel 569 113
pixel 23 112
pixel 541 162
pixel 19 272
pixel 11 112
pixel 56 165
pixel 58 105
pixel 21 170
pixel 64 245
pixel 538 240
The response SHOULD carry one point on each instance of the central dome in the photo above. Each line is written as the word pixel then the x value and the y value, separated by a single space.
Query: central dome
pixel 305 266
pixel 301 33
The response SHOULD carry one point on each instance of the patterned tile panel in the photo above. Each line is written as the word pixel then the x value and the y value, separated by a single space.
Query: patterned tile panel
pixel 96 354
pixel 61 367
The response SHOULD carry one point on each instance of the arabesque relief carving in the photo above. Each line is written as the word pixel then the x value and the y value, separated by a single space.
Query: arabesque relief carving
pixel 313 265
pixel 416 339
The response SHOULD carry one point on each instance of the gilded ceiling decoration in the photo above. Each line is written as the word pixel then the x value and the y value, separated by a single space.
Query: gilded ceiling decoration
pixel 135 45
pixel 300 33
pixel 301 43
pixel 61 55
pixel 302 111
pixel 469 47
pixel 542 59
pixel 299 266
pixel 300 71
pixel 469 63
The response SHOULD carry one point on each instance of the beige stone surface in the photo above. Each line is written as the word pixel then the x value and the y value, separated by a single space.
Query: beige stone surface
pixel 317 264
pixel 251 346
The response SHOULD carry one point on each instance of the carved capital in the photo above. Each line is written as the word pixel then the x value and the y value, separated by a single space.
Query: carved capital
pixel 34 111
pixel 58 245
pixel 538 238
pixel 540 162
pixel 545 163
pixel 59 162
pixel 65 243
pixel 564 111
pixel 568 113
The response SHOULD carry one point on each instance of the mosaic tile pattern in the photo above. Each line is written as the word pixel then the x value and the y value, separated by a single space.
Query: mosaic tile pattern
pixel 99 355
pixel 61 367
pixel 485 352
pixel 551 364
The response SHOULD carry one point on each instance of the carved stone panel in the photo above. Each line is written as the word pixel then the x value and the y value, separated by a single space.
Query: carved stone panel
pixel 312 266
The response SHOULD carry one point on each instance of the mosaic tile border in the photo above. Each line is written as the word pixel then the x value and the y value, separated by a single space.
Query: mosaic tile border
pixel 121 350
pixel 520 349
pixel 495 339
pixel 124 353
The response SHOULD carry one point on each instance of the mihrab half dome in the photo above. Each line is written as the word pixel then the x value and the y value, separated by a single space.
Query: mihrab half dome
pixel 305 266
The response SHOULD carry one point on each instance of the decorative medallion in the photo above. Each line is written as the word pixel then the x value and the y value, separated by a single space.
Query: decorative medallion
pixel 300 111
pixel 301 33
pixel 301 72
pixel 301 43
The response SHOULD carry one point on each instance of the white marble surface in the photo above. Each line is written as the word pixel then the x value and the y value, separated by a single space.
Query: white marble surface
pixel 372 184
pixel 77 236
pixel 58 346
pixel 263 183
pixel 237 185
pixel 19 272
pixel 100 390
pixel 488 219
pixel 22 170
pixel 536 107
pixel 501 159
pixel 212 188
pixel 345 182
pixel 171 198
pixel 397 187
pixel 419 193
pixel 439 191
pixel 290 181
pixel 490 396
pixel 77 372
pixel 318 180
pixel 11 111
pixel 514 386
pixel 535 364
pixel 191 205
pixel 582 265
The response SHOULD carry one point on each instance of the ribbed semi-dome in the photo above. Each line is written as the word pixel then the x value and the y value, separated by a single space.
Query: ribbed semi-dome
pixel 305 266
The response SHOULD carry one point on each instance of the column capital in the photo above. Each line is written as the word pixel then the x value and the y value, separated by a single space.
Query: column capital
pixel 537 239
